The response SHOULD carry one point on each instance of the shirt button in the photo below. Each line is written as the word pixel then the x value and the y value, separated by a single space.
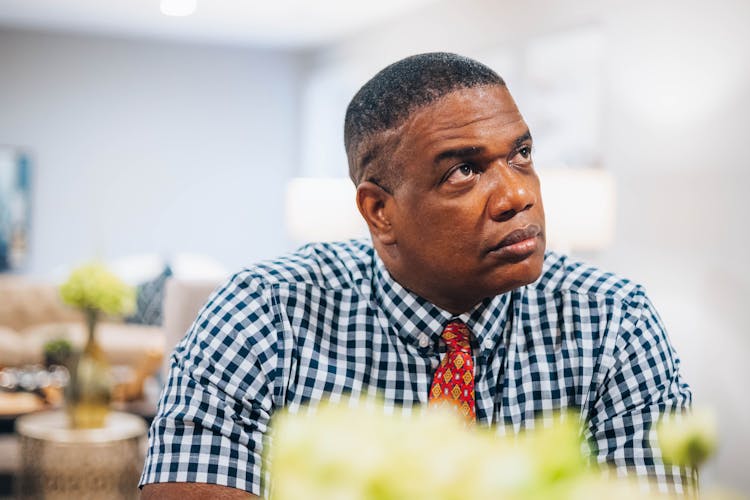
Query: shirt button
pixel 424 340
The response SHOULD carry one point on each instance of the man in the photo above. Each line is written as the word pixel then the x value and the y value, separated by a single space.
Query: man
pixel 441 158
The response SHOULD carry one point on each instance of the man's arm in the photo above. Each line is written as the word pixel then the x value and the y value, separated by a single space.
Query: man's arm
pixel 192 491
pixel 217 402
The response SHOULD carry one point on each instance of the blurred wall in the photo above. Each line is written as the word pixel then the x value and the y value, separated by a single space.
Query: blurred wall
pixel 149 147
pixel 675 119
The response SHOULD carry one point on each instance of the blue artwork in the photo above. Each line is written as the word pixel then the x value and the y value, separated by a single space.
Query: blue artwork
pixel 15 208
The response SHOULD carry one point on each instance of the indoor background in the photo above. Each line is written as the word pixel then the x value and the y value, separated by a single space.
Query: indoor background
pixel 180 135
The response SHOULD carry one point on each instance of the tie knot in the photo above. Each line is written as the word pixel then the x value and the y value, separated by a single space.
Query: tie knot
pixel 456 336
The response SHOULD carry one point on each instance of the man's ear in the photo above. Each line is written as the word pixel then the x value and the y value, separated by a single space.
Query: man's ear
pixel 375 205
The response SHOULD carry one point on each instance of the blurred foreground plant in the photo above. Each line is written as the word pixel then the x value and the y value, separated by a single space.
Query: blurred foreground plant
pixel 356 451
pixel 688 439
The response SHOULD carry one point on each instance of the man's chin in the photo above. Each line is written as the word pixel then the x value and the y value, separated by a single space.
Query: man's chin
pixel 514 275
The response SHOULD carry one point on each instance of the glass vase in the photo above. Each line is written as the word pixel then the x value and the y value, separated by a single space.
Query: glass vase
pixel 89 391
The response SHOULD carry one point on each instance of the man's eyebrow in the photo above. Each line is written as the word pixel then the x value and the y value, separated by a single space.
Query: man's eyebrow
pixel 461 153
pixel 458 153
pixel 521 139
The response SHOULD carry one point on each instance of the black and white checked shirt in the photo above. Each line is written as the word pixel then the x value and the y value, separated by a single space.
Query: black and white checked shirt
pixel 329 321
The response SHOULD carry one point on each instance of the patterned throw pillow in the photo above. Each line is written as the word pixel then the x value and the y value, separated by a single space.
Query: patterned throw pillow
pixel 149 300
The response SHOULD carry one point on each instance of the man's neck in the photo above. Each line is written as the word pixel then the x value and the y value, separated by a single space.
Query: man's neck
pixel 449 302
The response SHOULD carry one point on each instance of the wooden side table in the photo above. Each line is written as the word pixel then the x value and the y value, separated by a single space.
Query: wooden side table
pixel 61 463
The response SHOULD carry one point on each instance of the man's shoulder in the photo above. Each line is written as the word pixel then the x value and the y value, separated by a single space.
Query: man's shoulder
pixel 330 266
pixel 562 274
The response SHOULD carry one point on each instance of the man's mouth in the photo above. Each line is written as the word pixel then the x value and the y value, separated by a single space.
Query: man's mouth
pixel 519 243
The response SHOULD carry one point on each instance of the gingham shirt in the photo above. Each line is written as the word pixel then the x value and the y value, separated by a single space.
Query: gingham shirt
pixel 329 321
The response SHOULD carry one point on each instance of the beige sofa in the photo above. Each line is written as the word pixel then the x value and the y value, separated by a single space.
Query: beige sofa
pixel 31 314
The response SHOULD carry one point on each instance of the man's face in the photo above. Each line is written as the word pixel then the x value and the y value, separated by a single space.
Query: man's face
pixel 467 215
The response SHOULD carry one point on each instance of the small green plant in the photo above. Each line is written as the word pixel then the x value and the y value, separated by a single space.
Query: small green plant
pixel 57 352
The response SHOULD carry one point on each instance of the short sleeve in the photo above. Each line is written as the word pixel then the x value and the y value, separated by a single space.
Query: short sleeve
pixel 216 405
pixel 641 383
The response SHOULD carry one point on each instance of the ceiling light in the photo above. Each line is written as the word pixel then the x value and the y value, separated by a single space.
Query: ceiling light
pixel 178 7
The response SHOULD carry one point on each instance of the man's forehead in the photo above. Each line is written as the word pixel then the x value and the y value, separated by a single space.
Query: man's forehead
pixel 466 112
pixel 463 95
pixel 465 101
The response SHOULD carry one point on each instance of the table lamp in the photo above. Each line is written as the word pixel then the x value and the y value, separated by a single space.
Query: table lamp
pixel 322 209
pixel 579 206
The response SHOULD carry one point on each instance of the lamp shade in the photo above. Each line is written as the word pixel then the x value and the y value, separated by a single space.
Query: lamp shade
pixel 322 209
pixel 579 206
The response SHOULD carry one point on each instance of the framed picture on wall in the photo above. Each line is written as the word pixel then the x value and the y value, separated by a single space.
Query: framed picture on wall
pixel 15 208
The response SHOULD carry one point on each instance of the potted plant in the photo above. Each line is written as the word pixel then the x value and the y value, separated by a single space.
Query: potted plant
pixel 96 292
pixel 58 352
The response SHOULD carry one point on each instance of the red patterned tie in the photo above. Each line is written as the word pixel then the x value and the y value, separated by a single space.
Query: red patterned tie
pixel 453 383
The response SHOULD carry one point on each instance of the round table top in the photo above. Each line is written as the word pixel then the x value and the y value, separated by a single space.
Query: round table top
pixel 54 426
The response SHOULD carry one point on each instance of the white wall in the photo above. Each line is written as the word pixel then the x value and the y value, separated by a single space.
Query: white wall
pixel 675 121
pixel 149 147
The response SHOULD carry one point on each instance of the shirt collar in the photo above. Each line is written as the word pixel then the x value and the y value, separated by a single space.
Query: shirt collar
pixel 420 322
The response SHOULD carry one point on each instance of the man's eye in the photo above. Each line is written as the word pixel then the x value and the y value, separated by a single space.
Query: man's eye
pixel 521 157
pixel 466 170
pixel 461 173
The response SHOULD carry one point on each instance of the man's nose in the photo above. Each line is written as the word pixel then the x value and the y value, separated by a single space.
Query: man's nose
pixel 513 191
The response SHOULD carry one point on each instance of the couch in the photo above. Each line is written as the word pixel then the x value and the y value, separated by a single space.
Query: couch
pixel 31 314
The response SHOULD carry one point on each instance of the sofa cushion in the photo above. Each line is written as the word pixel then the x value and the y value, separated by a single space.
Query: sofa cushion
pixel 150 300
pixel 25 303
pixel 121 343
pixel 12 348
pixel 126 344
